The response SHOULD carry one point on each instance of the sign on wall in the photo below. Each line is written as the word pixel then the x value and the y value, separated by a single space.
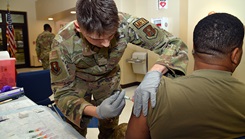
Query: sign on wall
pixel 161 22
pixel 162 4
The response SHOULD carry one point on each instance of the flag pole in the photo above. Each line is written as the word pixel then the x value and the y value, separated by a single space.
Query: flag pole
pixel 10 50
pixel 7 1
pixel 10 33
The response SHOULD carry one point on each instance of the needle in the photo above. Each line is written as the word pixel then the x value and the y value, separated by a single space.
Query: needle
pixel 127 98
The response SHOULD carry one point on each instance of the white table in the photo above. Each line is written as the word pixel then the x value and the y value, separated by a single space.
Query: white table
pixel 25 119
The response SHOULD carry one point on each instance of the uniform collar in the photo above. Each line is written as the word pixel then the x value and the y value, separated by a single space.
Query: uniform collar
pixel 86 47
pixel 211 72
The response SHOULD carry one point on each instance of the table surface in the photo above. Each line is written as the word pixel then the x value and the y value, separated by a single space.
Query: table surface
pixel 25 119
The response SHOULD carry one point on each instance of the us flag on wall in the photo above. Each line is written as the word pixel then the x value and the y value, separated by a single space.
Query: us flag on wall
pixel 10 35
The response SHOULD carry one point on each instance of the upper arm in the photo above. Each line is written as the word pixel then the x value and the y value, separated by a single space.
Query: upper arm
pixel 138 128
pixel 172 51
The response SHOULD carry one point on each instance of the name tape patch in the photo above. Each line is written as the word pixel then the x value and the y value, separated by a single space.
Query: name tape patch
pixel 140 23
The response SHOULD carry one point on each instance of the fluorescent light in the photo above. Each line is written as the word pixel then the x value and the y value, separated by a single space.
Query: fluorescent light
pixel 50 18
pixel 73 12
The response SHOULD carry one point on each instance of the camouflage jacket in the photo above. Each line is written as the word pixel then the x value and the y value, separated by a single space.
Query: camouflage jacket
pixel 78 68
pixel 43 44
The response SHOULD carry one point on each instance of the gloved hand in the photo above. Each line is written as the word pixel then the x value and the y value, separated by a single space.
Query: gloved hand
pixel 145 91
pixel 112 106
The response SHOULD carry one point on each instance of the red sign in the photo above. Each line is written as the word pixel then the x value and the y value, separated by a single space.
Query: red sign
pixel 163 4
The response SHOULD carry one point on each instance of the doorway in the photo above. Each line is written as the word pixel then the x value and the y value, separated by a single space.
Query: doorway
pixel 19 22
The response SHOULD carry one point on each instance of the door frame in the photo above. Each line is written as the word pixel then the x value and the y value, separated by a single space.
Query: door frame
pixel 24 27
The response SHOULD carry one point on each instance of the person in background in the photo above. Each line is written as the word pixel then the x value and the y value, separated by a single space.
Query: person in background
pixel 43 45
pixel 84 63
pixel 209 103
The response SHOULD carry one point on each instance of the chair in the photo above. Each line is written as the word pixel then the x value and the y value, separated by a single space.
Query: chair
pixel 93 123
pixel 37 86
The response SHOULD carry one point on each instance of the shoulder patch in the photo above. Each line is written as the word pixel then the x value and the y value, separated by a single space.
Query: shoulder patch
pixel 150 32
pixel 55 68
pixel 140 23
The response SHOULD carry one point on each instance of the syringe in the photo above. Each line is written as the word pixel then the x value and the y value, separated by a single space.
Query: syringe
pixel 127 98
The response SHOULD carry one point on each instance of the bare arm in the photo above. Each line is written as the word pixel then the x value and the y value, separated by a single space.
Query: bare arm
pixel 138 128
pixel 91 111
pixel 159 68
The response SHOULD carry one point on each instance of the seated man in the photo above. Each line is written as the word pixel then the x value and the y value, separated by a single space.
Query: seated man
pixel 209 103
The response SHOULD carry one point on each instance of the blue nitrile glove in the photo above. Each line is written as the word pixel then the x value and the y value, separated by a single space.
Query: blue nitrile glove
pixel 112 106
pixel 145 91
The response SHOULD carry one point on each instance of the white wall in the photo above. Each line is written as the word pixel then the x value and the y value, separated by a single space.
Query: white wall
pixel 197 9
pixel 46 8
pixel 34 26
pixel 148 9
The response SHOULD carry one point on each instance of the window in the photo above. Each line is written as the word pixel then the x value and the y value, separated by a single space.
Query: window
pixel 16 18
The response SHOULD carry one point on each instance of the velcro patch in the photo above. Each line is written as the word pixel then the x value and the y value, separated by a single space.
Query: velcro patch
pixel 150 32
pixel 140 23
pixel 55 68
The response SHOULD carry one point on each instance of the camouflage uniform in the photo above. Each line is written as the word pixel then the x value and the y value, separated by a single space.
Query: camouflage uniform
pixel 43 47
pixel 120 131
pixel 79 69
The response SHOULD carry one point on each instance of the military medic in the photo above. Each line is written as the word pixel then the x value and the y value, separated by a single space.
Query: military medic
pixel 84 63
pixel 43 45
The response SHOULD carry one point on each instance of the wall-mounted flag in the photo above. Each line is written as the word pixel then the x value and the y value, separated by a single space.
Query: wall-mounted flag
pixel 10 35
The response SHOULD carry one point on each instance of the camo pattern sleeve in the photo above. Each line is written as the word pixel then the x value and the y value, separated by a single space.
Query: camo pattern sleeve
pixel 172 50
pixel 68 96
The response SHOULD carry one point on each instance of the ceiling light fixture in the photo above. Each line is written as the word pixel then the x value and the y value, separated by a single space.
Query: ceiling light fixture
pixel 73 12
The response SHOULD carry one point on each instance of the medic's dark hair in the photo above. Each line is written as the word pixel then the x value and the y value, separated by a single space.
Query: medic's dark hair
pixel 97 16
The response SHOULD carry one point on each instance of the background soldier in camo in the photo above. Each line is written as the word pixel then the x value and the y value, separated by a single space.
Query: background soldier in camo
pixel 43 45
pixel 85 56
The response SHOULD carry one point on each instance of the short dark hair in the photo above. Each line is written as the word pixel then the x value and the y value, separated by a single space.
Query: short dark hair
pixel 218 34
pixel 97 16
pixel 46 26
